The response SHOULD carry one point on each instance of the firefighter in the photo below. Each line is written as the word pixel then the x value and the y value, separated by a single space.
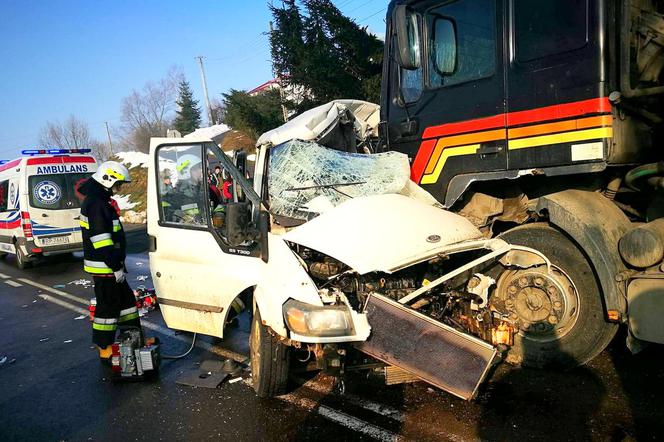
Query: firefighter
pixel 104 255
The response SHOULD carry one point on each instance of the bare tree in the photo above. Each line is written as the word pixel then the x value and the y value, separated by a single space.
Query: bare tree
pixel 72 134
pixel 148 112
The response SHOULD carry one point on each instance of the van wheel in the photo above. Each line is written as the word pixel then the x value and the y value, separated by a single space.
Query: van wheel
pixel 559 317
pixel 269 360
pixel 21 260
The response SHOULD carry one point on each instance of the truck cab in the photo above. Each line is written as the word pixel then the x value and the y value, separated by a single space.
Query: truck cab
pixel 541 120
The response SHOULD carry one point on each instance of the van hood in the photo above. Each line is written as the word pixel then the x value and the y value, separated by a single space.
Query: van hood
pixel 383 232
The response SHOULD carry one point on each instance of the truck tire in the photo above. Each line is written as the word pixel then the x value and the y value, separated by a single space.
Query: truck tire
pixel 270 360
pixel 586 332
pixel 21 260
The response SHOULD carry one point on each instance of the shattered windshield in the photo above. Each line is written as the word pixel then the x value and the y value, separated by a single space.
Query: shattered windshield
pixel 305 178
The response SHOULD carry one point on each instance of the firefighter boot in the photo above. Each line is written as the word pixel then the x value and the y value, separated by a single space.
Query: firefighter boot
pixel 105 354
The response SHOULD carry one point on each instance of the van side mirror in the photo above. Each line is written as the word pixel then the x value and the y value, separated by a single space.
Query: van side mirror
pixel 406 24
pixel 444 51
pixel 237 223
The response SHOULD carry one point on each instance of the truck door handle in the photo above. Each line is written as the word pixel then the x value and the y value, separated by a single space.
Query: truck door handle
pixel 490 150
pixel 152 240
pixel 44 215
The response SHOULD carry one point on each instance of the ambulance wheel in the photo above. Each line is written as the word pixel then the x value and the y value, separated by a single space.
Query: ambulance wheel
pixel 270 360
pixel 560 321
pixel 21 260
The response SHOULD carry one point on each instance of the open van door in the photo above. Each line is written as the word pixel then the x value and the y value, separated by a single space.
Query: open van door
pixel 205 248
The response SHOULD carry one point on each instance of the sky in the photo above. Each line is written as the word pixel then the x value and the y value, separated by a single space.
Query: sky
pixel 81 57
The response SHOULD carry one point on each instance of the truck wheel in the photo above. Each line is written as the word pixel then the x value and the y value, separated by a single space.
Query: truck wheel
pixel 269 360
pixel 21 260
pixel 560 317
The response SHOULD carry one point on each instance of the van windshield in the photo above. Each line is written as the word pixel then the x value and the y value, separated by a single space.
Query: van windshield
pixel 56 191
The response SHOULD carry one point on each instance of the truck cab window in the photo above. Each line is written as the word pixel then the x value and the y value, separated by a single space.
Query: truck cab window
pixel 182 185
pixel 549 27
pixel 462 42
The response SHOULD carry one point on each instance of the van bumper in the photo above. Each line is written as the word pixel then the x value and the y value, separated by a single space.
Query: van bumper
pixel 32 250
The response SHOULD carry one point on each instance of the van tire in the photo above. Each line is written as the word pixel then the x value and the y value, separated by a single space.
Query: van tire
pixel 591 333
pixel 270 360
pixel 21 261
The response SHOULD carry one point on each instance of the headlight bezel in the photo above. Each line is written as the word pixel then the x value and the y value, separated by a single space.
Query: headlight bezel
pixel 312 319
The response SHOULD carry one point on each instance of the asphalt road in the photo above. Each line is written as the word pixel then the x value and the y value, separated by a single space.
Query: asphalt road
pixel 53 388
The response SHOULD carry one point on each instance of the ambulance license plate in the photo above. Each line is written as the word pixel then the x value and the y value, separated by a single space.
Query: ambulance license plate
pixel 55 240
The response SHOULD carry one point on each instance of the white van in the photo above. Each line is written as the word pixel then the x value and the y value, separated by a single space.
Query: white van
pixel 40 204
pixel 340 253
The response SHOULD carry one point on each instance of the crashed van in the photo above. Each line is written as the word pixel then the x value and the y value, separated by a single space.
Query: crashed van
pixel 346 261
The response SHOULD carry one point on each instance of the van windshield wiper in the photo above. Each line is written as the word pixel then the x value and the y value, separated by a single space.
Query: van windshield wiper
pixel 327 186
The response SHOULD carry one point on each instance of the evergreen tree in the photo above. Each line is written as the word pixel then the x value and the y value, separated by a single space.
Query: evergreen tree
pixel 252 115
pixel 324 52
pixel 188 117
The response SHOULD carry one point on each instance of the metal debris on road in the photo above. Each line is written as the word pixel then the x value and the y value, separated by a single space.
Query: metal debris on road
pixel 78 318
pixel 3 360
pixel 232 381
pixel 44 339
pixel 59 286
pixel 66 341
pixel 141 278
pixel 84 282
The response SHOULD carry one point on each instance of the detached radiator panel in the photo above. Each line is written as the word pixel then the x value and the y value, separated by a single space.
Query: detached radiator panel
pixel 438 354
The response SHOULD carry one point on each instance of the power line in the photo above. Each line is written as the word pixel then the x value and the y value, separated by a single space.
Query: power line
pixel 372 15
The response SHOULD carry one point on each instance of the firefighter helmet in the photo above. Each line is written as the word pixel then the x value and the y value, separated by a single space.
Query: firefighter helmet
pixel 111 172
pixel 185 164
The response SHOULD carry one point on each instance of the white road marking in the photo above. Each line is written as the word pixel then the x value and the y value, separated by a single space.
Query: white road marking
pixel 3 276
pixel 13 283
pixel 146 324
pixel 383 410
pixel 342 418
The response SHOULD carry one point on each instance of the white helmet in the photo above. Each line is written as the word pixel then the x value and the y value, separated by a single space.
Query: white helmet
pixel 185 164
pixel 111 172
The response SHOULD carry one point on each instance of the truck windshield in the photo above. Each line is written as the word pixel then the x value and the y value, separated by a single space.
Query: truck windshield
pixel 56 191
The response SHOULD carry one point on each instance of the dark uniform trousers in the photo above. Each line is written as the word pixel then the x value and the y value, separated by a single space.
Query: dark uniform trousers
pixel 116 307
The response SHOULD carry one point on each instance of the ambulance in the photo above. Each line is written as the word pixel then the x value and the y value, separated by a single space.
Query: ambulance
pixel 40 203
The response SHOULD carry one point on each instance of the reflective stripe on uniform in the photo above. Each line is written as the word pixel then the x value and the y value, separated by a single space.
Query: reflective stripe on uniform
pixel 84 222
pixel 116 225
pixel 101 240
pixel 189 206
pixel 96 267
pixel 128 314
pixel 97 320
pixel 104 327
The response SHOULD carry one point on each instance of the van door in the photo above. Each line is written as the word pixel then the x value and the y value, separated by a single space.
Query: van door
pixel 448 114
pixel 198 266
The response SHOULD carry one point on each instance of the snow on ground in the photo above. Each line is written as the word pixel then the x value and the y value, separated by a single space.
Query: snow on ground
pixel 133 159
pixel 123 201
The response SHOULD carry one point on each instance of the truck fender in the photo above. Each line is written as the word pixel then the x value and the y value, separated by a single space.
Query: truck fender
pixel 596 225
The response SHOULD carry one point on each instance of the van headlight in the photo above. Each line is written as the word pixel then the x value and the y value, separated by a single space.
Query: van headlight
pixel 322 321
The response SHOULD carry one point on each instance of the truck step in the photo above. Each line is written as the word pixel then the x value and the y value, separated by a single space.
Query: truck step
pixel 427 349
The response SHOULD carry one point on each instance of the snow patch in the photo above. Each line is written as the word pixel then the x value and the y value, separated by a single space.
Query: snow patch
pixel 123 201
pixel 134 159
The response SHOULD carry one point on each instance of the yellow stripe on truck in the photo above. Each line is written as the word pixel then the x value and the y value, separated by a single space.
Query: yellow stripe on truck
pixel 565 137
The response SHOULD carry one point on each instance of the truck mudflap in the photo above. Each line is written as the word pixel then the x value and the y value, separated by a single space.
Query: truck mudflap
pixel 434 352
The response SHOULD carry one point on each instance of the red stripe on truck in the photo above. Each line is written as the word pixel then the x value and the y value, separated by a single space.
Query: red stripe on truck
pixel 59 160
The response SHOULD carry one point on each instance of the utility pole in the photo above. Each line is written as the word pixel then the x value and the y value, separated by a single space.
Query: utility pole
pixel 205 90
pixel 284 111
pixel 110 142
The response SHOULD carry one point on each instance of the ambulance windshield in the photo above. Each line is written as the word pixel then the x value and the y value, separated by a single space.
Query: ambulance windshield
pixel 56 191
